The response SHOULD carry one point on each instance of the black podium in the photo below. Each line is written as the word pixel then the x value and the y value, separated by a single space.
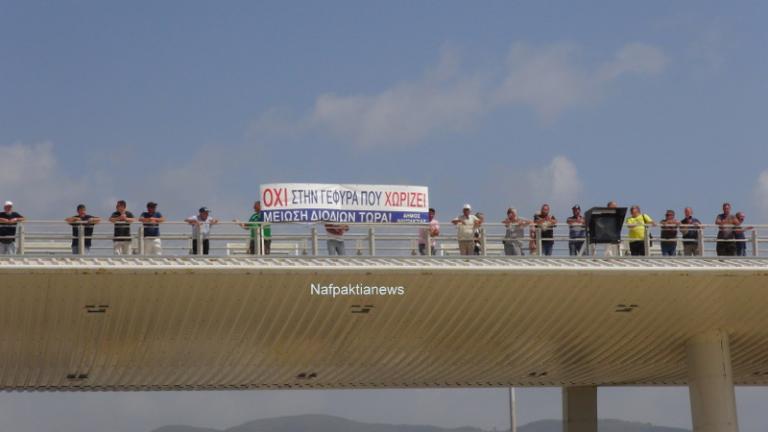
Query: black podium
pixel 604 224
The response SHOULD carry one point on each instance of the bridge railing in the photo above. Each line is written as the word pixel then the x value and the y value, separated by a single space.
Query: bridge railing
pixel 230 238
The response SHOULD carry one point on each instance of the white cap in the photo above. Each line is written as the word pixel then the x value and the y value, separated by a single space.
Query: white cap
pixel 8 203
pixel 467 206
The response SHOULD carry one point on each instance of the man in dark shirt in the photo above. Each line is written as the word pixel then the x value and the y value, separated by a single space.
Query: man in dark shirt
pixel 725 236
pixel 151 220
pixel 8 220
pixel 122 219
pixel 669 228
pixel 739 235
pixel 690 227
pixel 547 223
pixel 82 222
pixel 577 231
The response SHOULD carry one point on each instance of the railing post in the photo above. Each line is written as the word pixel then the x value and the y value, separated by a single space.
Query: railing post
pixel 258 247
pixel 20 233
pixel 700 241
pixel 141 239
pixel 371 242
pixel 428 246
pixel 262 248
pixel 647 239
pixel 755 243
pixel 199 250
pixel 483 249
pixel 359 247
pixel 539 251
pixel 81 239
pixel 314 240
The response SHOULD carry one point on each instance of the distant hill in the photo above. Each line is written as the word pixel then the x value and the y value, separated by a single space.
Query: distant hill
pixel 324 423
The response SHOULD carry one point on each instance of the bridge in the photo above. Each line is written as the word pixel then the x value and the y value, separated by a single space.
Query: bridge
pixel 204 323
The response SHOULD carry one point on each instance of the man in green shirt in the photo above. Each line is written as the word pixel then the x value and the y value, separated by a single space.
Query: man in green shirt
pixel 254 224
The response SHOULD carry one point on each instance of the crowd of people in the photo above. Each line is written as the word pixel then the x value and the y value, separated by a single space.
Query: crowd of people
pixel 731 238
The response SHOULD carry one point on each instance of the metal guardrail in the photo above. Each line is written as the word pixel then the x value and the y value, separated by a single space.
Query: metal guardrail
pixel 229 238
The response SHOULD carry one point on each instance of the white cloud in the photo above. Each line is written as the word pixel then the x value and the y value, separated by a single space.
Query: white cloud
pixel 559 183
pixel 761 194
pixel 550 80
pixel 405 113
pixel 30 176
pixel 21 163
pixel 634 58
pixel 547 79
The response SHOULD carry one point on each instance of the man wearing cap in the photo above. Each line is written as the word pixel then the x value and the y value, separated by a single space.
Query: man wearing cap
pixel 151 220
pixel 466 224
pixel 201 227
pixel 8 220
pixel 577 231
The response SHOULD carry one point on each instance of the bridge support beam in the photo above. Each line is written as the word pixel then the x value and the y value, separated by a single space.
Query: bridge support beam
pixel 580 409
pixel 710 383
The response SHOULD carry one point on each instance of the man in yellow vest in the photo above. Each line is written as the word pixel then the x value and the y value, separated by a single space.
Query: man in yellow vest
pixel 637 226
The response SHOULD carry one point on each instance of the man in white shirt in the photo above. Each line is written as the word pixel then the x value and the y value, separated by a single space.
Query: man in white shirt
pixel 201 226
pixel 433 230
pixel 466 224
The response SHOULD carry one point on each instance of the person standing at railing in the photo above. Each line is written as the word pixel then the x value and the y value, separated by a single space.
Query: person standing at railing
pixel 725 235
pixel 612 249
pixel 690 228
pixel 466 224
pixel 546 224
pixel 201 227
pixel 514 233
pixel 8 221
pixel 82 221
pixel 431 231
pixel 479 233
pixel 335 241
pixel 255 225
pixel 577 229
pixel 669 228
pixel 739 235
pixel 637 230
pixel 122 219
pixel 152 220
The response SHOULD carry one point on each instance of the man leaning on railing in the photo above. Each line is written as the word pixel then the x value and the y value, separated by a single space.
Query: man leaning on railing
pixel 122 220
pixel 256 225
pixel 515 231
pixel 432 231
pixel 637 230
pixel 82 230
pixel 669 227
pixel 201 229
pixel 8 221
pixel 690 228
pixel 577 232
pixel 725 235
pixel 152 220
pixel 466 224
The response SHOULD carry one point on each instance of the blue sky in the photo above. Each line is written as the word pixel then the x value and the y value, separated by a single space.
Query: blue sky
pixel 494 103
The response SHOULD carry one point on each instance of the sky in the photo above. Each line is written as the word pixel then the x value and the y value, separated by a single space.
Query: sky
pixel 495 103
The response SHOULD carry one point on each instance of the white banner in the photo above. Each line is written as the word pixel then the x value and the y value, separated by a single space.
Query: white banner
pixel 344 203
